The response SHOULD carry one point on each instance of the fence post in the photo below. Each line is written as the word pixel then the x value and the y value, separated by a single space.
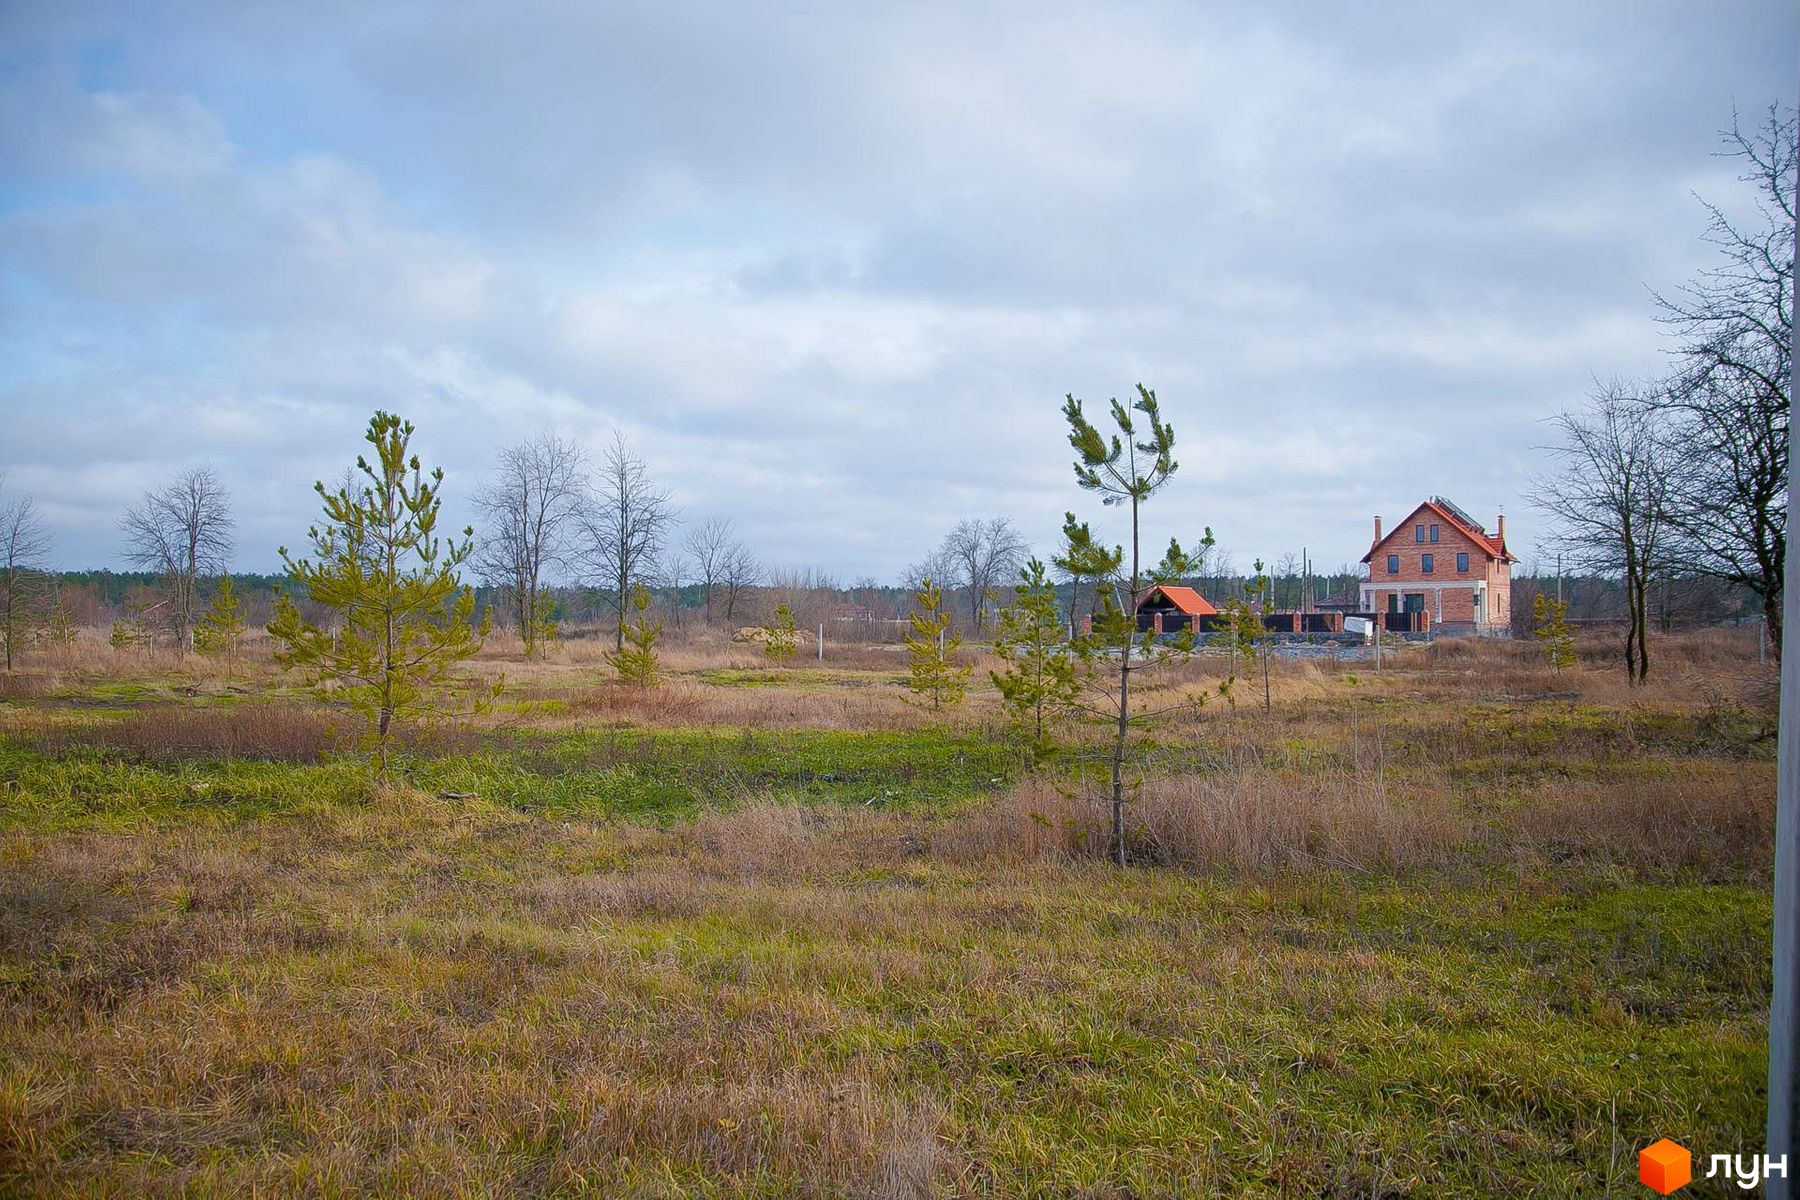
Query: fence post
pixel 821 641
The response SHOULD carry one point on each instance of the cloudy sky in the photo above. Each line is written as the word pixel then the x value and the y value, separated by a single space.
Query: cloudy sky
pixel 832 268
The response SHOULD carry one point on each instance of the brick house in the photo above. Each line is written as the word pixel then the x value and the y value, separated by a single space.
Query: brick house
pixel 1441 561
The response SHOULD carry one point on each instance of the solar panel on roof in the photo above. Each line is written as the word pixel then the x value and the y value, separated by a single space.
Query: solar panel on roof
pixel 1459 514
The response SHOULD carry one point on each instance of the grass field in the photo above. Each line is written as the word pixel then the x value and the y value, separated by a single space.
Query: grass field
pixel 1461 928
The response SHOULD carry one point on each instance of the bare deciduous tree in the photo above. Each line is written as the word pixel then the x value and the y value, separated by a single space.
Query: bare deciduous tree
pixel 714 548
pixel 1730 403
pixel 983 555
pixel 24 542
pixel 1728 503
pixel 936 567
pixel 528 511
pixel 738 574
pixel 1287 580
pixel 626 525
pixel 671 574
pixel 1610 502
pixel 1222 573
pixel 182 531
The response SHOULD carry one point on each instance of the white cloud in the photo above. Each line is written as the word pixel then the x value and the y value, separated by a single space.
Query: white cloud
pixel 834 271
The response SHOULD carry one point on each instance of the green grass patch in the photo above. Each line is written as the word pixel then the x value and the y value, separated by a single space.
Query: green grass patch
pixel 617 772
pixel 590 774
pixel 90 790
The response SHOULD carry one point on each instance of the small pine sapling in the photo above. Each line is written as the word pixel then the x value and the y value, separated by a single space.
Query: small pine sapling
pixel 542 626
pixel 1241 636
pixel 934 677
pixel 1074 533
pixel 1039 684
pixel 781 640
pixel 405 621
pixel 221 629
pixel 636 661
pixel 1550 619
pixel 60 631
pixel 1259 595
pixel 128 634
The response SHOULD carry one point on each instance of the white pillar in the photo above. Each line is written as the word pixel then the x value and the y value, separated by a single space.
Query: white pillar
pixel 1784 1006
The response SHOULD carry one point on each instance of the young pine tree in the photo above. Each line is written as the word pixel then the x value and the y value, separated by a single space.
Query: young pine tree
pixel 404 619
pixel 1550 621
pixel 221 629
pixel 781 640
pixel 540 635
pixel 61 630
pixel 1245 633
pixel 636 660
pixel 935 678
pixel 1125 469
pixel 1074 533
pixel 1242 639
pixel 1039 684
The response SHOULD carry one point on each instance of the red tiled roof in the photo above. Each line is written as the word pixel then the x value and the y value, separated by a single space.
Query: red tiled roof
pixel 1492 545
pixel 1186 599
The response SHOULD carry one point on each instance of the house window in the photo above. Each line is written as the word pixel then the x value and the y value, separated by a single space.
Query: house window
pixel 1418 533
pixel 1434 533
pixel 1393 564
pixel 1462 564
pixel 1425 563
pixel 1393 601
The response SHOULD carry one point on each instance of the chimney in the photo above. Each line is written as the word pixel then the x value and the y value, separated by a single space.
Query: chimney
pixel 1377 530
pixel 1500 529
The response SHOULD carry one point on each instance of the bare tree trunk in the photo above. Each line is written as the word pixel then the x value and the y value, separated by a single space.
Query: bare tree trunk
pixel 1118 757
pixel 1265 666
pixel 1124 725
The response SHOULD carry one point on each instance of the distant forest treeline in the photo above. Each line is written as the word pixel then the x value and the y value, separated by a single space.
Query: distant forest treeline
pixel 99 597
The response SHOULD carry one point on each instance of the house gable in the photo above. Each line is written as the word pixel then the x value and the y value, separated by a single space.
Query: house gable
pixel 1454 534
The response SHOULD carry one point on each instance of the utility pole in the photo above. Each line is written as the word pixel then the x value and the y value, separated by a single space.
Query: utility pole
pixel 1784 1005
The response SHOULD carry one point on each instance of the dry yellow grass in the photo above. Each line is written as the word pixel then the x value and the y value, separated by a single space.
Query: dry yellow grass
pixel 1407 934
pixel 421 998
